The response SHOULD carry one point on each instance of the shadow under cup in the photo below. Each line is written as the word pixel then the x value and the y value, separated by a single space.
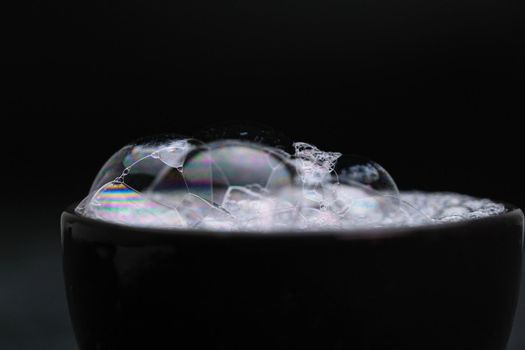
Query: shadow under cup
pixel 448 286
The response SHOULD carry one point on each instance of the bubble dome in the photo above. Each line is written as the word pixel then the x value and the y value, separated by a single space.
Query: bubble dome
pixel 241 185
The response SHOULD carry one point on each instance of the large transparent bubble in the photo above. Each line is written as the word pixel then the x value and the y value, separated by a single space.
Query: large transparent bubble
pixel 229 184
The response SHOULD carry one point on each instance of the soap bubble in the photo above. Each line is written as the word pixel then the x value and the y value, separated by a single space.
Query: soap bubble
pixel 363 190
pixel 373 203
pixel 366 175
pixel 180 182
pixel 212 169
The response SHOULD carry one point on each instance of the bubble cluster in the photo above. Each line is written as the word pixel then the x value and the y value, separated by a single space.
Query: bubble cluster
pixel 452 207
pixel 239 185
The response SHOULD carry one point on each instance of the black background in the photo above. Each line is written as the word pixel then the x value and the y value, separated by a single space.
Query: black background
pixel 432 90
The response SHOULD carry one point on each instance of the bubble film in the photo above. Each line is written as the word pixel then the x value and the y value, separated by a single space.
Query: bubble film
pixel 240 185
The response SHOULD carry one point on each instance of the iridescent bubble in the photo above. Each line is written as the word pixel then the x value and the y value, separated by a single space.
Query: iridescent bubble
pixel 119 203
pixel 359 191
pixel 211 170
pixel 140 181
pixel 365 174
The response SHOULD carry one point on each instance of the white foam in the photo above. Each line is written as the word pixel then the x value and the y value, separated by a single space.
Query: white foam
pixel 447 206
pixel 252 212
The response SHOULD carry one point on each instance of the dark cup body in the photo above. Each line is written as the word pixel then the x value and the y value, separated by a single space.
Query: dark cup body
pixel 449 286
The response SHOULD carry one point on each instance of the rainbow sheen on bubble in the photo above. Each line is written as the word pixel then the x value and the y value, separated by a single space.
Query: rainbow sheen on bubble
pixel 209 171
pixel 117 202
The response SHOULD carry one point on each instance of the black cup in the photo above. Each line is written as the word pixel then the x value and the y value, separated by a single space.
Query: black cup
pixel 447 286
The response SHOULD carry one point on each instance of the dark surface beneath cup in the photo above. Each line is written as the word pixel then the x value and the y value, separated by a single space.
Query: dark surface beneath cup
pixel 33 311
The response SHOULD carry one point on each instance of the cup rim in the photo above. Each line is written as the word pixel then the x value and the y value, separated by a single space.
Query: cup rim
pixel 511 214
